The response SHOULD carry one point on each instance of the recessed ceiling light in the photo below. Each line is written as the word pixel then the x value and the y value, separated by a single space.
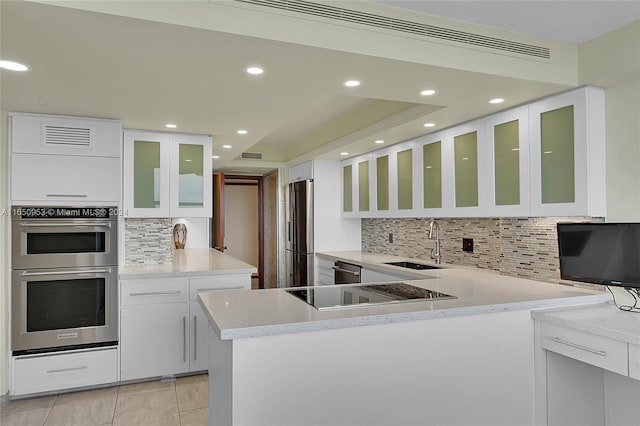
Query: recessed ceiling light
pixel 241 132
pixel 255 70
pixel 215 157
pixel 170 126
pixel 344 153
pixel 379 141
pixel 352 83
pixel 429 124
pixel 226 146
pixel 13 66
pixel 496 101
pixel 428 92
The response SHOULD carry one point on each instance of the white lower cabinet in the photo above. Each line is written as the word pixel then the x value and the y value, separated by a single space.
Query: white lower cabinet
pixel 325 272
pixel 163 329
pixel 57 371
pixel 154 340
pixel 634 361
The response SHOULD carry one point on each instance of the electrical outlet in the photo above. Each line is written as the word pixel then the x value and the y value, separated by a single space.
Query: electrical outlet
pixel 390 238
pixel 467 244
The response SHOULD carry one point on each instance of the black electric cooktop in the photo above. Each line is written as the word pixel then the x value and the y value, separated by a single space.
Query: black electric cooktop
pixel 345 296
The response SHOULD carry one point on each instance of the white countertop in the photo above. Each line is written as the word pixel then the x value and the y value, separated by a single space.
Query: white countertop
pixel 603 319
pixel 189 263
pixel 245 314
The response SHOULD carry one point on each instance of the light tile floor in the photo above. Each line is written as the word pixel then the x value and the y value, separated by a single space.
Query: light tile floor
pixel 182 402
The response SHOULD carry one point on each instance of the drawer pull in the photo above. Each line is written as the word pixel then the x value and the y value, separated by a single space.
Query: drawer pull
pixel 63 370
pixel 155 293
pixel 219 288
pixel 575 345
pixel 68 195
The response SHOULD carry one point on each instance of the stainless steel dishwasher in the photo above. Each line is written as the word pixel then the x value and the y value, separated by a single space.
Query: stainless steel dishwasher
pixel 346 273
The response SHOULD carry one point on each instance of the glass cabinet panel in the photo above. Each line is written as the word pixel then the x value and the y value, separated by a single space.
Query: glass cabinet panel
pixel 466 169
pixel 432 175
pixel 347 189
pixel 146 174
pixel 557 153
pixel 507 163
pixel 405 179
pixel 382 183
pixel 191 164
pixel 363 186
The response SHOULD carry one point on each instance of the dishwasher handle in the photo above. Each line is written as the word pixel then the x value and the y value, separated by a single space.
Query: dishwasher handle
pixel 346 271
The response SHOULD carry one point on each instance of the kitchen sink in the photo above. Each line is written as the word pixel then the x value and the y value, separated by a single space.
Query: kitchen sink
pixel 412 265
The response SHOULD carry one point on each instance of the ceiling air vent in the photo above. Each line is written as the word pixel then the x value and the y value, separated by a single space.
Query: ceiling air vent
pixel 58 135
pixel 404 26
pixel 252 155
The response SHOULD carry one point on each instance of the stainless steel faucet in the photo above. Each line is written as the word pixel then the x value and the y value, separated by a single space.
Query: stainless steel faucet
pixel 435 253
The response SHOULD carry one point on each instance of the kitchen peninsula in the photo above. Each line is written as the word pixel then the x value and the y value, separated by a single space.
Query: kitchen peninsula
pixel 467 360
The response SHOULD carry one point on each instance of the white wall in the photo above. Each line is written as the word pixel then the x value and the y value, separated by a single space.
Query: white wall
pixel 612 61
pixel 4 256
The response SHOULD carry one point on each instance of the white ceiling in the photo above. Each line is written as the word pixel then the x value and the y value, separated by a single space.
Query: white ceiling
pixel 150 73
pixel 573 21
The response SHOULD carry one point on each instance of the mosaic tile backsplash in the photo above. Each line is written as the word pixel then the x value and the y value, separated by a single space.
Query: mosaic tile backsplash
pixel 525 248
pixel 148 241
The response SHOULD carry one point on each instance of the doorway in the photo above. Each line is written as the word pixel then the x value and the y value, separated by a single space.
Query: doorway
pixel 245 218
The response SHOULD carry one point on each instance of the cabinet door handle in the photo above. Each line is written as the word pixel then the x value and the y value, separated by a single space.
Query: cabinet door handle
pixel 219 289
pixel 62 370
pixel 195 338
pixel 155 293
pixel 577 346
pixel 68 195
pixel 184 339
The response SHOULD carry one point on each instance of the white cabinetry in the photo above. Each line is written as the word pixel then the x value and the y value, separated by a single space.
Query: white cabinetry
pixel 634 361
pixel 167 174
pixel 154 336
pixel 567 136
pixel 542 159
pixel 60 160
pixel 163 329
pixel 508 186
pixel 325 271
pixel 302 171
pixel 57 371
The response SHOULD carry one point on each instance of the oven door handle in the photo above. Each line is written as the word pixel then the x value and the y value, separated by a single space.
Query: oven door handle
pixel 69 272
pixel 66 225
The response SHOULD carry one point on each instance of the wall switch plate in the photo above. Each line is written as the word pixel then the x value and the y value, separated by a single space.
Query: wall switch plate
pixel 390 237
pixel 467 244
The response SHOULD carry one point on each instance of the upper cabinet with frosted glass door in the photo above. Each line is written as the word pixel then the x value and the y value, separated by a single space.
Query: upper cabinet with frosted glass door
pixel 467 144
pixel 508 158
pixel 357 191
pixel 167 174
pixel 567 136
pixel 436 194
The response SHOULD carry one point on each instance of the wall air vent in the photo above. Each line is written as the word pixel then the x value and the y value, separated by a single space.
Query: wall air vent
pixel 252 155
pixel 404 26
pixel 58 135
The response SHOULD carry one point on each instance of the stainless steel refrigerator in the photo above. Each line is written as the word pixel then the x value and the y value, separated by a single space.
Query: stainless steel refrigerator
pixel 300 235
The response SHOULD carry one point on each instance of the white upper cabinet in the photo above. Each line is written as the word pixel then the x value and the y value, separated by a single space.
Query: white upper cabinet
pixel 59 160
pixel 302 171
pixel 567 137
pixel 61 135
pixel 436 175
pixel 542 159
pixel 466 151
pixel 167 174
pixel 508 192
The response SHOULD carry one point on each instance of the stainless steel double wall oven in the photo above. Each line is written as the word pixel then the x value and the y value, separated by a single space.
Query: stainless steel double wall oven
pixel 64 278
